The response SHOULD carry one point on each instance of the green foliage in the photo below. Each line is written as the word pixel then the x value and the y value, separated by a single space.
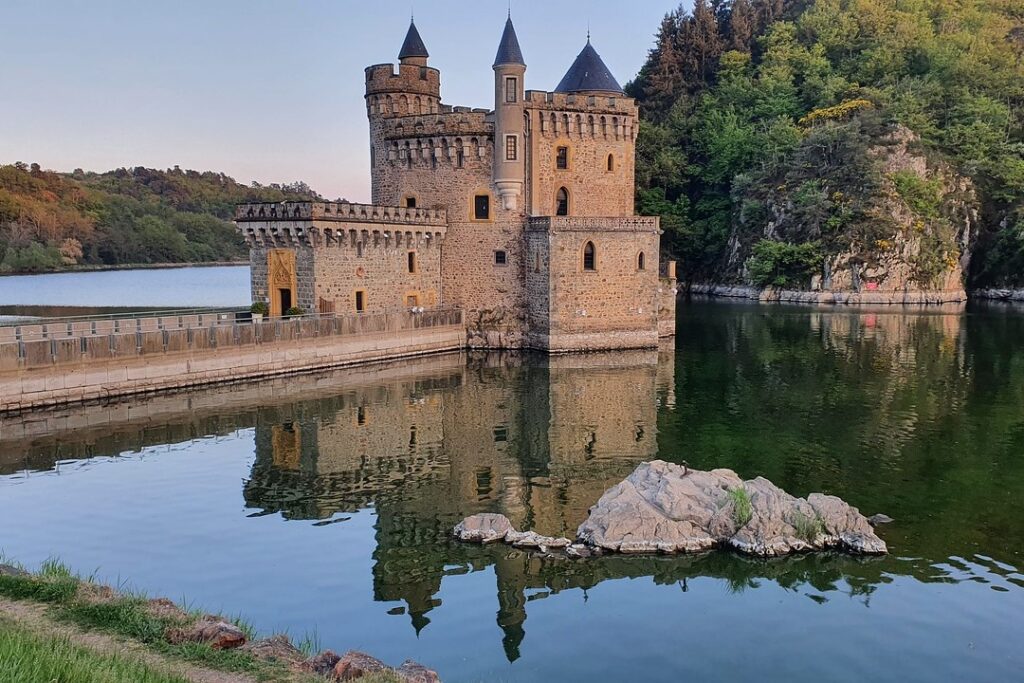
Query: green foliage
pixel 782 264
pixel 759 98
pixel 49 220
pixel 924 197
pixel 294 312
pixel 260 308
pixel 29 658
pixel 742 510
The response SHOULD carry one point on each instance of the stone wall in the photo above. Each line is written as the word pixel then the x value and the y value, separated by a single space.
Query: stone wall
pixel 381 271
pixel 613 306
pixel 89 367
pixel 592 129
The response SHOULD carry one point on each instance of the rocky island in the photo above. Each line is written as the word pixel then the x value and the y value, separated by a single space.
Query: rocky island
pixel 667 508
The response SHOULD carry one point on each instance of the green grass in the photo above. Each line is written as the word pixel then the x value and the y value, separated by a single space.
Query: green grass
pixel 742 510
pixel 807 528
pixel 28 658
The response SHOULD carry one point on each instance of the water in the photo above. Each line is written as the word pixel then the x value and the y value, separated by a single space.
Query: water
pixel 85 293
pixel 322 503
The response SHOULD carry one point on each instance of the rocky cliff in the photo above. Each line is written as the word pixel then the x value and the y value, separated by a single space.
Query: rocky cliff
pixel 860 215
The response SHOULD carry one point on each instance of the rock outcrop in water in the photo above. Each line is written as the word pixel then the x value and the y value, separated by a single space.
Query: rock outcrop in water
pixel 666 508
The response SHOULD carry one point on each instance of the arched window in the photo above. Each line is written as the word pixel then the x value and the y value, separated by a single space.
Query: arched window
pixel 417 105
pixel 641 261
pixel 611 162
pixel 562 202
pixel 589 256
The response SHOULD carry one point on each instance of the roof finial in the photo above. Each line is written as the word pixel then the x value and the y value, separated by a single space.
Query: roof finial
pixel 588 30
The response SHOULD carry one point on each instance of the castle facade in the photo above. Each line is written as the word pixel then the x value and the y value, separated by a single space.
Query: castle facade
pixel 521 216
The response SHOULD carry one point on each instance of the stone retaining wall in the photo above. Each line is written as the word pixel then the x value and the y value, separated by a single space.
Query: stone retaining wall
pixel 772 294
pixel 54 371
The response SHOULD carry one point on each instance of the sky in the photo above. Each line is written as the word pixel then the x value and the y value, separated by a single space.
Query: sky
pixel 265 90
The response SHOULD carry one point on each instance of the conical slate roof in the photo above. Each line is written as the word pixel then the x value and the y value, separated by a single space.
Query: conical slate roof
pixel 588 73
pixel 508 48
pixel 413 45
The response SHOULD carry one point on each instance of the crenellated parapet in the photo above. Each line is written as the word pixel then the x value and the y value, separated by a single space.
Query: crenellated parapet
pixel 410 90
pixel 322 224
pixel 594 116
pixel 460 121
pixel 555 224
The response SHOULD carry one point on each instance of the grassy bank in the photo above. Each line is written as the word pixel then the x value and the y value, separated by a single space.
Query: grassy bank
pixel 140 639
pixel 30 658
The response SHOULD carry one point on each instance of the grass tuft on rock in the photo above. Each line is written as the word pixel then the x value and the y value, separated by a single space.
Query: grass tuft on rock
pixel 808 528
pixel 742 509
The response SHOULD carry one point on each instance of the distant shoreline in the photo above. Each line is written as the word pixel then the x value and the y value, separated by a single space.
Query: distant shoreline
pixel 91 268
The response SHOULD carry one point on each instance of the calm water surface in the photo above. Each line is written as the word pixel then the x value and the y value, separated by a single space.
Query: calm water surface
pixel 95 291
pixel 322 504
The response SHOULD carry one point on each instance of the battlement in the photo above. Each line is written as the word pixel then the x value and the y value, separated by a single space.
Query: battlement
pixel 339 211
pixel 460 121
pixel 558 101
pixel 384 85
pixel 556 224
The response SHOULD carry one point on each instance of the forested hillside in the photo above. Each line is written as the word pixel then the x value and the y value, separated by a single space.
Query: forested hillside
pixel 51 221
pixel 783 140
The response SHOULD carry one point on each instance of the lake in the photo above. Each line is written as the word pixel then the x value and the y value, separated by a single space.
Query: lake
pixel 91 292
pixel 322 504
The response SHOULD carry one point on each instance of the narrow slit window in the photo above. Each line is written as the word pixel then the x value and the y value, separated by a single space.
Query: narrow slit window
pixel 360 301
pixel 562 202
pixel 511 89
pixel 411 261
pixel 562 158
pixel 641 261
pixel 589 256
pixel 611 162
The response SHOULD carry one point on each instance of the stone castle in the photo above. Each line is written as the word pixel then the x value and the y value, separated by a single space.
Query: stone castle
pixel 521 216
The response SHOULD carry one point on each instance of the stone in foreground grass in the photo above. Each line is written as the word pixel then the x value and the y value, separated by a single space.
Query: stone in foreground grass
pixel 29 658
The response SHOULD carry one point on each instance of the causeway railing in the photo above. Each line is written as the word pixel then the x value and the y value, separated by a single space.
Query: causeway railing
pixel 133 337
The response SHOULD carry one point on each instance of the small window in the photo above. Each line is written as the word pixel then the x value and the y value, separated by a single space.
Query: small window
pixel 360 301
pixel 410 202
pixel 361 416
pixel 411 261
pixel 589 257
pixel 562 202
pixel 511 89
pixel 562 159
pixel 482 207
pixel 611 162
pixel 500 434
pixel 500 257
pixel 412 300
pixel 460 159
pixel 641 261
pixel 511 148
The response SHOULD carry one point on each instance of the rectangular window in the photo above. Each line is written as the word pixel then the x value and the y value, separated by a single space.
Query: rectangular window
pixel 360 301
pixel 410 202
pixel 500 257
pixel 412 300
pixel 482 207
pixel 511 148
pixel 562 160
pixel 460 159
pixel 511 89
pixel 411 257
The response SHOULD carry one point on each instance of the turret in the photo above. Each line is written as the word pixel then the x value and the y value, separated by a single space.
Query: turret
pixel 414 89
pixel 509 121
pixel 413 50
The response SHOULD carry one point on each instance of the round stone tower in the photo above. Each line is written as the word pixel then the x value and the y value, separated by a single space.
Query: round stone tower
pixel 509 119
pixel 413 91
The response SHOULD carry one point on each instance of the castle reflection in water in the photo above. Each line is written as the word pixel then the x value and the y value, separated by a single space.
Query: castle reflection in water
pixel 537 439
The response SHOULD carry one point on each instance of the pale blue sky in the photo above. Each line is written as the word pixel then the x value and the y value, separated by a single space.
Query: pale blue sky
pixel 267 90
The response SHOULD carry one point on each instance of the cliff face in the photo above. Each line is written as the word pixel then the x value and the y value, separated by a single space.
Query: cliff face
pixel 857 212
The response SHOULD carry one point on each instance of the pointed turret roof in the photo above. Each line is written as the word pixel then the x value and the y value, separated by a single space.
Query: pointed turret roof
pixel 508 48
pixel 413 45
pixel 588 74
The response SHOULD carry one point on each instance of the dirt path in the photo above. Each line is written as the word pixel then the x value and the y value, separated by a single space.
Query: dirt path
pixel 33 617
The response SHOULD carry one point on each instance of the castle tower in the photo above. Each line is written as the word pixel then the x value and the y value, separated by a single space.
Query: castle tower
pixel 413 91
pixel 509 119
